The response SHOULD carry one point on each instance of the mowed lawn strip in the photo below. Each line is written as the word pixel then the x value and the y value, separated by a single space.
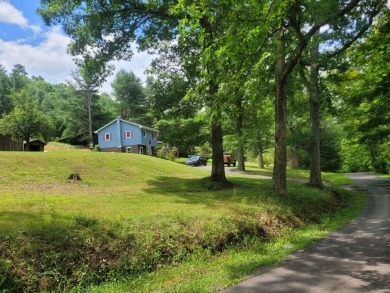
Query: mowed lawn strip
pixel 145 220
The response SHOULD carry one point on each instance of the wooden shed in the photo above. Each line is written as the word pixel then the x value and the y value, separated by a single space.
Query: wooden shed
pixel 35 146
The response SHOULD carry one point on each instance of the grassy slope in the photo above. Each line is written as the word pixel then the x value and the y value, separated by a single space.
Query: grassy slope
pixel 135 214
pixel 113 186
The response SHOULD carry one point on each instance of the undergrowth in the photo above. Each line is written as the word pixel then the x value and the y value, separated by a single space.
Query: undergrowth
pixel 61 258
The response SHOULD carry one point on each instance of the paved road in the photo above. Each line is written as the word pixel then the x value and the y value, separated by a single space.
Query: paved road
pixel 234 171
pixel 354 259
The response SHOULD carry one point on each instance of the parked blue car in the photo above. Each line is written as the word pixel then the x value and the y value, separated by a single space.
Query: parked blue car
pixel 196 161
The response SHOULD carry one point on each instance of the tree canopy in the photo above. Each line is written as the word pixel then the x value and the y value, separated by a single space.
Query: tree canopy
pixel 319 63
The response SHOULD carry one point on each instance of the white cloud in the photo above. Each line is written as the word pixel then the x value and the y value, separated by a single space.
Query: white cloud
pixel 9 14
pixel 36 29
pixel 48 59
pixel 138 64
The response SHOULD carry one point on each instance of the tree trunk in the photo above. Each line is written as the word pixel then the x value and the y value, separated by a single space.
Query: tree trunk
pixel 260 157
pixel 27 146
pixel 240 158
pixel 218 167
pixel 89 105
pixel 240 150
pixel 314 101
pixel 279 184
pixel 294 157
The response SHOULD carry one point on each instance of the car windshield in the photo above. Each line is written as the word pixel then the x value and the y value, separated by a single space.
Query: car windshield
pixel 193 158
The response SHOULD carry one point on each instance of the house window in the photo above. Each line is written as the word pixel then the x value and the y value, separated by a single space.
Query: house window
pixel 129 134
pixel 128 149
pixel 144 133
pixel 153 135
pixel 107 136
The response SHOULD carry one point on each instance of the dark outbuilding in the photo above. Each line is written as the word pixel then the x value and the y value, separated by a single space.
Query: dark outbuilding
pixel 35 146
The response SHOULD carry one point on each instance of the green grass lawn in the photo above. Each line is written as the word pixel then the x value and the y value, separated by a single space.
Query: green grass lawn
pixel 136 223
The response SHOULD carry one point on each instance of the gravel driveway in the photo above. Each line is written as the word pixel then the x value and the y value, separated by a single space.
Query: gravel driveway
pixel 354 259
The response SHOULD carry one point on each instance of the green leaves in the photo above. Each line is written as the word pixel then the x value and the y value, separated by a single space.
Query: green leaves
pixel 26 120
pixel 130 97
pixel 365 90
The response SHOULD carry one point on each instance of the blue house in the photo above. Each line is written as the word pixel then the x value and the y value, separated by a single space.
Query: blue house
pixel 123 136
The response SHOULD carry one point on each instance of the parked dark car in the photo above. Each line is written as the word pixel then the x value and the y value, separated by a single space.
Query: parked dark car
pixel 196 161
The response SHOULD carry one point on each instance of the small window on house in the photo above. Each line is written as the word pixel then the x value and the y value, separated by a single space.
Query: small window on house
pixel 153 135
pixel 129 134
pixel 128 149
pixel 144 133
pixel 107 136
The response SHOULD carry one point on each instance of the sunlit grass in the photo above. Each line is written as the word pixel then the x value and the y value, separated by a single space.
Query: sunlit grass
pixel 59 146
pixel 206 273
pixel 253 168
pixel 336 178
pixel 129 208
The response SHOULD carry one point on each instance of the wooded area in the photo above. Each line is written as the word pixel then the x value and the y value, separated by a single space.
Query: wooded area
pixel 306 80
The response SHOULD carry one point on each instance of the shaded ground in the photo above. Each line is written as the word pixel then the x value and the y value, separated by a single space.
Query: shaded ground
pixel 354 259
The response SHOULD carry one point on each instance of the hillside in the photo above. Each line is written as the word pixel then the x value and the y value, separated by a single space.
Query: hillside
pixel 133 214
pixel 113 186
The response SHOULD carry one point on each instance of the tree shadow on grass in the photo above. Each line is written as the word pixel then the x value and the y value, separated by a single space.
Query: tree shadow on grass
pixel 15 221
pixel 198 191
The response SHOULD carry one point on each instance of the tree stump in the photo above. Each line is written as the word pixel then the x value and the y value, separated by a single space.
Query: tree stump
pixel 74 178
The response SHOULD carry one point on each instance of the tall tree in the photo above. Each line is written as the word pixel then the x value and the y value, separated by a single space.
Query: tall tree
pixel 18 77
pixel 295 25
pixel 5 90
pixel 339 36
pixel 87 91
pixel 202 20
pixel 26 120
pixel 130 96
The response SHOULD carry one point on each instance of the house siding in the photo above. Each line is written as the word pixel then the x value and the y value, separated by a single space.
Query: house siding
pixel 118 142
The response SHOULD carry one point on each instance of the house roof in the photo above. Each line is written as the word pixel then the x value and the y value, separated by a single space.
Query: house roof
pixel 36 141
pixel 128 122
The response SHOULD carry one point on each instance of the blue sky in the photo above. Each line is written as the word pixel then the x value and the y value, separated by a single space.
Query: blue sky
pixel 24 39
pixel 19 20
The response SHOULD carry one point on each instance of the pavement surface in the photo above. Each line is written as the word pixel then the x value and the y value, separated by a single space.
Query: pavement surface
pixel 354 259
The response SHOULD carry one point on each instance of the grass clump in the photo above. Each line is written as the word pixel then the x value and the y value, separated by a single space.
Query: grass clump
pixel 149 221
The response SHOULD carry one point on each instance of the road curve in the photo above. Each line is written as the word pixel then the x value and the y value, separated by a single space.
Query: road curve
pixel 355 259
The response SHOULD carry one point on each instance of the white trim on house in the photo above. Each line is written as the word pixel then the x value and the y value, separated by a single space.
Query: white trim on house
pixel 129 134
